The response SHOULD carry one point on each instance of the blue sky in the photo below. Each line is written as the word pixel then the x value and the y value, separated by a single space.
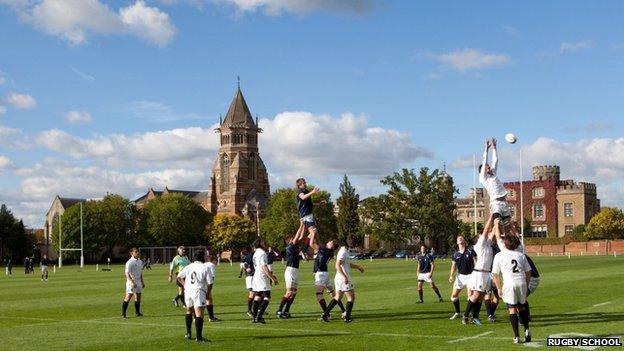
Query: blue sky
pixel 119 95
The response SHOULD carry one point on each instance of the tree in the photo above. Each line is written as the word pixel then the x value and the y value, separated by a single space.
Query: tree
pixel 230 232
pixel 607 224
pixel 174 219
pixel 282 220
pixel 348 219
pixel 415 205
pixel 14 240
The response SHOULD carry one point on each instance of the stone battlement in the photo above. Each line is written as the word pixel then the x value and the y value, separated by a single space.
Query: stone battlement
pixel 546 172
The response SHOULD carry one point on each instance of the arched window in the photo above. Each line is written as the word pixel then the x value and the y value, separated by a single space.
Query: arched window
pixel 251 166
pixel 225 173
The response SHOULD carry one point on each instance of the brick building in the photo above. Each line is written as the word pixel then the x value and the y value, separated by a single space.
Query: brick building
pixel 552 206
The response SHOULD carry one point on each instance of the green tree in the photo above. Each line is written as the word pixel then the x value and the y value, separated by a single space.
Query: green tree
pixel 174 219
pixel 230 232
pixel 7 228
pixel 415 205
pixel 607 224
pixel 282 220
pixel 348 220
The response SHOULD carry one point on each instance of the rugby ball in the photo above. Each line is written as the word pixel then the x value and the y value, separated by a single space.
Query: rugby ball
pixel 511 138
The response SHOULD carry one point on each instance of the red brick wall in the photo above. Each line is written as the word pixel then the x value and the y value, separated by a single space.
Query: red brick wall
pixel 603 247
pixel 549 201
pixel 617 246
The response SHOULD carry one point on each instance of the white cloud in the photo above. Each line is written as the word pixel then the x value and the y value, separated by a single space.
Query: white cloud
pixel 78 117
pixel 75 20
pixel 576 46
pixel 462 60
pixel 2 78
pixel 2 110
pixel 13 139
pixel 87 77
pixel 4 162
pixel 301 7
pixel 20 100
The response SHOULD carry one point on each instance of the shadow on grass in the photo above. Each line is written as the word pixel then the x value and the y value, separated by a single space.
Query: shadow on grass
pixel 576 318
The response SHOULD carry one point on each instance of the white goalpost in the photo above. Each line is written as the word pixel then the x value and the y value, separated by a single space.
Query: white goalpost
pixel 61 249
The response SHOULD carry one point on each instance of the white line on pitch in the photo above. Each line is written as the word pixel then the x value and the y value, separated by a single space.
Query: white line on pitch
pixel 471 337
pixel 602 304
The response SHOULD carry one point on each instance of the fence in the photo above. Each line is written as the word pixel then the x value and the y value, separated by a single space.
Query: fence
pixel 602 247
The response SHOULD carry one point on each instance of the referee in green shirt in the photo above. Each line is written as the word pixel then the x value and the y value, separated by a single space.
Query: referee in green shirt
pixel 178 262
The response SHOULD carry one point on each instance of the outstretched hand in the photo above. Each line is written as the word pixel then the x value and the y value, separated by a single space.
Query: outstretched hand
pixel 493 142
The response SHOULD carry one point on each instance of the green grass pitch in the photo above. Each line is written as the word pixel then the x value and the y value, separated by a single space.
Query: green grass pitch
pixel 80 310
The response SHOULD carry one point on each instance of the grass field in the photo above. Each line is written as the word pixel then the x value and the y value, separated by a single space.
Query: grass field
pixel 80 310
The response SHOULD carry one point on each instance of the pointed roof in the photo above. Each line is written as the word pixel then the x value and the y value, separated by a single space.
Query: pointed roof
pixel 238 114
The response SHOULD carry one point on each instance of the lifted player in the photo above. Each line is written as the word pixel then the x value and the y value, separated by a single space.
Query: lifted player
pixel 516 272
pixel 195 278
pixel 343 282
pixel 323 253
pixel 291 274
pixel 134 283
pixel 177 264
pixel 426 266
pixel 463 263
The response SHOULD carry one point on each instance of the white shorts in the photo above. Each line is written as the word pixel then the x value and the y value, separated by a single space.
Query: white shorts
pixel 461 281
pixel 533 284
pixel 322 279
pixel 130 290
pixel 195 298
pixel 44 269
pixel 514 293
pixel 249 283
pixel 261 283
pixel 424 277
pixel 308 218
pixel 291 275
pixel 341 285
pixel 480 281
pixel 501 207
pixel 270 267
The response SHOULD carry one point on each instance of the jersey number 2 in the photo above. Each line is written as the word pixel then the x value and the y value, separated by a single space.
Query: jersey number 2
pixel 193 277
pixel 515 266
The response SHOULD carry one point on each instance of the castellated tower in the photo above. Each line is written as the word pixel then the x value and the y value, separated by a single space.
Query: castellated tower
pixel 546 173
pixel 239 182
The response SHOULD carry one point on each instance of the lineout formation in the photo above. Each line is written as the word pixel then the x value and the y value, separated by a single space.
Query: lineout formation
pixel 497 252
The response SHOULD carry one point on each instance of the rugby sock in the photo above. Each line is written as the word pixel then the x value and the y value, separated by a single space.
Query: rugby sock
pixel 263 307
pixel 513 319
pixel 349 309
pixel 342 308
pixel 437 291
pixel 323 304
pixel 331 306
pixel 289 303
pixel 468 308
pixel 455 304
pixel 526 307
pixel 124 308
pixel 282 303
pixel 254 307
pixel 494 306
pixel 188 318
pixel 137 307
pixel 249 303
pixel 476 308
pixel 210 309
pixel 524 318
pixel 199 325
pixel 488 307
pixel 420 293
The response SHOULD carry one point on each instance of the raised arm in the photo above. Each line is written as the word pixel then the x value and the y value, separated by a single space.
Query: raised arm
pixel 484 161
pixel 304 197
pixel 299 234
pixel 494 157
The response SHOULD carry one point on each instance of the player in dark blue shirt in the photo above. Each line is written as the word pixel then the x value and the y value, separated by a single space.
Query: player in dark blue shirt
pixel 463 263
pixel 304 209
pixel 247 267
pixel 425 272
pixel 291 273
pixel 324 253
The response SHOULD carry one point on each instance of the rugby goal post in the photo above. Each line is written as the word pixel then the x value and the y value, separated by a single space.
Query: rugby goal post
pixel 61 249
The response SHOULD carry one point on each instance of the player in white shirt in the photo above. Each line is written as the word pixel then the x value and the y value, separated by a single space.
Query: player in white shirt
pixel 262 279
pixel 212 271
pixel 343 282
pixel 195 278
pixel 516 272
pixel 134 283
pixel 480 279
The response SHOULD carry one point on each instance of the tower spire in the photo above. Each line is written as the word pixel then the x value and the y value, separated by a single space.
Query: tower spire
pixel 238 79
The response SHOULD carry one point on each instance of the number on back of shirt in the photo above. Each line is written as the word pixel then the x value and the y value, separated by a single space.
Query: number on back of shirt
pixel 193 277
pixel 515 266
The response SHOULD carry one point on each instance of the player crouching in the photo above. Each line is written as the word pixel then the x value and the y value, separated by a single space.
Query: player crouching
pixel 195 278
pixel 516 272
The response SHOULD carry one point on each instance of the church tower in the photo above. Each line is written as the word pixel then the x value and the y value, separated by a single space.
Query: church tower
pixel 239 182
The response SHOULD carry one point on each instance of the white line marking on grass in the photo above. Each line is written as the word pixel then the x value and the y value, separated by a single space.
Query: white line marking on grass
pixel 602 304
pixel 471 337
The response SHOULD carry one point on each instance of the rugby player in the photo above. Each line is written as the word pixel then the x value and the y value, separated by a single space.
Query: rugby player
pixel 262 280
pixel 134 283
pixel 195 278
pixel 177 264
pixel 425 270
pixel 463 263
pixel 323 253
pixel 291 274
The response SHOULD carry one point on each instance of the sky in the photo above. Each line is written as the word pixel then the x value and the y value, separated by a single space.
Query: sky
pixel 119 96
